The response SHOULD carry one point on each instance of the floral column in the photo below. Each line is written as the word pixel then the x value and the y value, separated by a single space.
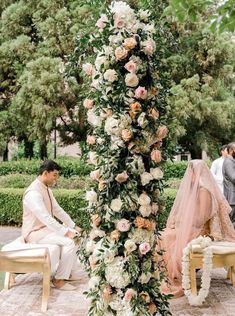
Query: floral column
pixel 124 107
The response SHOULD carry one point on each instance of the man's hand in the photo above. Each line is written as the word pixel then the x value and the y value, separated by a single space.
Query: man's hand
pixel 70 234
pixel 78 229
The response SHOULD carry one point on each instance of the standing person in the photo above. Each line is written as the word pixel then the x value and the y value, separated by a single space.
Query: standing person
pixel 199 208
pixel 216 167
pixel 40 226
pixel 229 179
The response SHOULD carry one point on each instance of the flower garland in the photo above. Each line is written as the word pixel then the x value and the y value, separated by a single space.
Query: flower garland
pixel 204 243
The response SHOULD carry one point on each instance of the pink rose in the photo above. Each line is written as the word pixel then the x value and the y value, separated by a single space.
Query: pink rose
pixel 149 47
pixel 123 225
pixel 101 23
pixel 95 175
pixel 88 69
pixel 121 53
pixel 130 66
pixel 91 140
pixel 130 293
pixel 119 22
pixel 141 93
pixel 162 132
pixel 88 103
pixel 126 134
pixel 156 155
pixel 122 177
pixel 144 248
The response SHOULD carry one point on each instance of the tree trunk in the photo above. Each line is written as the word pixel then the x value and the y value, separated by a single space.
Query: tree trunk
pixel 43 151
pixel 5 154
pixel 28 148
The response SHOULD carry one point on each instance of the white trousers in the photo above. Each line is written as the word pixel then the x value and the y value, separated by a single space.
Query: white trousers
pixel 68 264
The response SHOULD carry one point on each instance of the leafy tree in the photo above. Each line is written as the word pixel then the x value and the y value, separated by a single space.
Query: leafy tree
pixel 220 14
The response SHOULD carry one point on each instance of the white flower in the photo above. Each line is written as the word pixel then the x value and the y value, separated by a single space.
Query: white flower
pixel 146 178
pixel 110 75
pixel 116 205
pixel 144 199
pixel 88 69
pixel 90 246
pixel 145 210
pixel 94 282
pixel 93 119
pixel 96 232
pixel 144 14
pixel 112 126
pixel 93 157
pixel 116 143
pixel 91 196
pixel 115 274
pixel 140 235
pixel 130 245
pixel 131 80
pixel 156 173
pixel 142 120
pixel 109 256
pixel 123 225
pixel 144 278
pixel 101 60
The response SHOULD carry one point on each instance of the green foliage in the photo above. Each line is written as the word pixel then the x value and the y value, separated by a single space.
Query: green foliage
pixel 69 167
pixel 174 169
pixel 169 197
pixel 71 200
pixel 220 14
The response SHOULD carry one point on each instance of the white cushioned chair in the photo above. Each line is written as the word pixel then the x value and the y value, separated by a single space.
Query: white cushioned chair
pixel 21 257
pixel 223 256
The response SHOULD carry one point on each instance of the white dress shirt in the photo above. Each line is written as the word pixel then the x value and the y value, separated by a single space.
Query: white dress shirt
pixel 216 169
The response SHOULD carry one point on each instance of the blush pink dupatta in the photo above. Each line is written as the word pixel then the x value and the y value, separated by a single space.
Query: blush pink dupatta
pixel 199 208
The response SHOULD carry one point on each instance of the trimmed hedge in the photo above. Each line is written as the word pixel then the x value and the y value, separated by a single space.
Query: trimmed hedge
pixel 72 202
pixel 78 167
pixel 69 167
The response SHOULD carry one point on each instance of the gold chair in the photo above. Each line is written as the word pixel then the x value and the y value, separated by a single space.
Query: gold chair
pixel 223 256
pixel 26 261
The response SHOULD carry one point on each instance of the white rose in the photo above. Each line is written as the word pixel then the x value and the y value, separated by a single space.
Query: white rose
pixel 146 178
pixel 116 205
pixel 130 245
pixel 144 278
pixel 145 210
pixel 93 119
pixel 144 199
pixel 131 80
pixel 110 75
pixel 90 246
pixel 144 15
pixel 112 126
pixel 156 173
pixel 142 120
pixel 91 196
pixel 101 60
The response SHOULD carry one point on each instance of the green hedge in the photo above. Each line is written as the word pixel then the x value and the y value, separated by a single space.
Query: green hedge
pixel 72 201
pixel 69 167
pixel 11 206
pixel 174 169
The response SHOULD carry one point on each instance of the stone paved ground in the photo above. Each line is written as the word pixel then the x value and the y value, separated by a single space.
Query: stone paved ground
pixel 24 299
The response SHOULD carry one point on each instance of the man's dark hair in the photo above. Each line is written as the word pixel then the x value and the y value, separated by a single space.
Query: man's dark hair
pixel 222 148
pixel 48 165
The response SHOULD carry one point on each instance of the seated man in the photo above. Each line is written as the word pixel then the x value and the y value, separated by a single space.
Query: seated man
pixel 40 226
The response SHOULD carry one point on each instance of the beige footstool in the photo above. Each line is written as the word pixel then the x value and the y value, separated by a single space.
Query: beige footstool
pixel 21 257
pixel 223 256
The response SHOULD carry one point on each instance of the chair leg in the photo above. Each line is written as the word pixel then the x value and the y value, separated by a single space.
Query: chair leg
pixel 193 282
pixel 7 281
pixel 45 290
pixel 233 275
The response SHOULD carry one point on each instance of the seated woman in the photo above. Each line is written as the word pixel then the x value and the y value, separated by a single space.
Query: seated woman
pixel 199 209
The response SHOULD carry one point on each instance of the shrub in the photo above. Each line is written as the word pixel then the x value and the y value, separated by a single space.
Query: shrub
pixel 69 167
pixel 71 200
pixel 174 169
pixel 19 180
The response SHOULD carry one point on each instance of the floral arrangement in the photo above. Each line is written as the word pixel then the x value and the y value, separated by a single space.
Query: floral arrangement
pixel 125 107
pixel 204 243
